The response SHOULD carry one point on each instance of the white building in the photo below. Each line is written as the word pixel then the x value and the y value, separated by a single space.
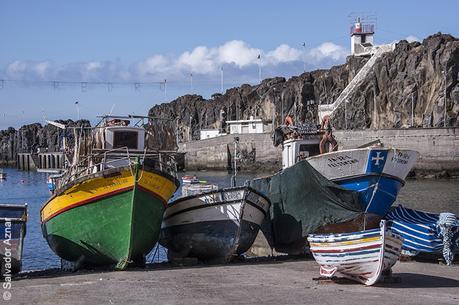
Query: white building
pixel 210 133
pixel 245 126
pixel 362 38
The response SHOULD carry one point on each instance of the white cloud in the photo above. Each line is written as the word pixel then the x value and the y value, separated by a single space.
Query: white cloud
pixel 200 60
pixel 412 38
pixel 237 52
pixel 328 50
pixel 154 64
pixel 282 54
pixel 236 56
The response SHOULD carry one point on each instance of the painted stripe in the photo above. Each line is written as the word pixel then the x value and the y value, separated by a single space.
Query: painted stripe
pixel 342 250
pixel 96 188
pixel 345 254
pixel 347 242
pixel 154 195
pixel 93 199
pixel 344 236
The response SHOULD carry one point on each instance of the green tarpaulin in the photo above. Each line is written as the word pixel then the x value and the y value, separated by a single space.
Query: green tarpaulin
pixel 302 200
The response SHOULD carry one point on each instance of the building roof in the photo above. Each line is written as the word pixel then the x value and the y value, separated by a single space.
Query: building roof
pixel 245 121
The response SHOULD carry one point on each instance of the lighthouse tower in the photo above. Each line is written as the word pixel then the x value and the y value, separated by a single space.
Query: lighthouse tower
pixel 362 38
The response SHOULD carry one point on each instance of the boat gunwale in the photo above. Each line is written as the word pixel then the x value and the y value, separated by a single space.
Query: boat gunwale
pixel 104 172
pixel 265 213
pixel 361 149
pixel 371 174
pixel 232 188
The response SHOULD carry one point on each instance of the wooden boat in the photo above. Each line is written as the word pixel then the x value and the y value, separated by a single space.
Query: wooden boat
pixel 13 219
pixel 107 208
pixel 360 256
pixel 376 173
pixel 213 225
pixel 425 232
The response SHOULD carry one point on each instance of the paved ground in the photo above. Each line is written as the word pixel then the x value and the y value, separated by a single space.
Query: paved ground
pixel 269 282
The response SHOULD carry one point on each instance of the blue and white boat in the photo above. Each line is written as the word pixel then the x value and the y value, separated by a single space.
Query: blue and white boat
pixel 376 173
pixel 426 232
pixel 13 218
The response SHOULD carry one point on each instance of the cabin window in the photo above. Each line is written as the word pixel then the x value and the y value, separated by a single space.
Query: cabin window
pixel 309 149
pixel 125 139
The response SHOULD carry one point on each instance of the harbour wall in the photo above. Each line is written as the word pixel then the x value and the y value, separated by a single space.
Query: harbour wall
pixel 40 161
pixel 438 148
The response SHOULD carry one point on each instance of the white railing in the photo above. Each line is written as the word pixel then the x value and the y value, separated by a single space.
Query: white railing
pixel 118 157
pixel 328 109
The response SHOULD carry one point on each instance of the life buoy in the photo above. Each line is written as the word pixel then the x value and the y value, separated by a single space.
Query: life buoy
pixel 327 137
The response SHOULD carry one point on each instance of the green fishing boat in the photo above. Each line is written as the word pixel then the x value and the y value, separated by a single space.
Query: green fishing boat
pixel 107 208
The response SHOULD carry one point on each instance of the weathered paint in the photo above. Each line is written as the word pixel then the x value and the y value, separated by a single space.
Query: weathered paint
pixel 112 220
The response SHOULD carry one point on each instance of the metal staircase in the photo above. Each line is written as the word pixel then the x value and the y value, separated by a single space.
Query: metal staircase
pixel 328 109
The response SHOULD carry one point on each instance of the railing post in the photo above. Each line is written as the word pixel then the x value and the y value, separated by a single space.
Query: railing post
pixel 160 162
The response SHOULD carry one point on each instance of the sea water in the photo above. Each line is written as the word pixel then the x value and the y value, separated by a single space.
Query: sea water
pixel 30 187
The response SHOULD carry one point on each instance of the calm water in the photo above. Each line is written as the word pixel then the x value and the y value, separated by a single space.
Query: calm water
pixel 30 187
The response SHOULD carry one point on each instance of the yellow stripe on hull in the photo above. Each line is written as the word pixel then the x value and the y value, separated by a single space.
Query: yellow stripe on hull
pixel 98 187
pixel 348 242
pixel 161 186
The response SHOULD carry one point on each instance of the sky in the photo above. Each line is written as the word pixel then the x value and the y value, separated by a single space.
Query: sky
pixel 124 57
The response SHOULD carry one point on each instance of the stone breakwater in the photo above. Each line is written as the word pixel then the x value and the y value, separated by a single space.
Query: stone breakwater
pixel 438 148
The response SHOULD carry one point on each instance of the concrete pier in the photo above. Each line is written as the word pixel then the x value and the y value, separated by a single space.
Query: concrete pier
pixel 267 282
pixel 40 161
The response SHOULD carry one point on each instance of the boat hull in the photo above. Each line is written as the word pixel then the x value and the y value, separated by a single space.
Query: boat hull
pixel 214 225
pixel 376 173
pixel 110 219
pixel 13 219
pixel 421 232
pixel 360 256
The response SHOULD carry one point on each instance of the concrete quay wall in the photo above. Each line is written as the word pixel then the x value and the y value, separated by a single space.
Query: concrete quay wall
pixel 438 148
pixel 256 152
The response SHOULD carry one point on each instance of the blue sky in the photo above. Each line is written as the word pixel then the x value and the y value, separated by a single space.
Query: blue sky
pixel 124 42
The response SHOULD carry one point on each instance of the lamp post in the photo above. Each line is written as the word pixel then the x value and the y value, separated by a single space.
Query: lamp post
pixel 191 132
pixel 191 82
pixel 304 56
pixel 221 80
pixel 444 114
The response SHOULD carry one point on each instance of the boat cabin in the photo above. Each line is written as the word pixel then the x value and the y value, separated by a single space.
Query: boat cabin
pixel 295 150
pixel 124 136
pixel 117 134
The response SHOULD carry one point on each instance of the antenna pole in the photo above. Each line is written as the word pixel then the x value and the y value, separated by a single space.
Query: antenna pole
pixel 304 57
pixel 444 115
pixel 221 80
pixel 259 69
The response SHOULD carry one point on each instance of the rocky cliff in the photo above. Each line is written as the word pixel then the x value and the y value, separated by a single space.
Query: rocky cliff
pixel 412 73
pixel 32 138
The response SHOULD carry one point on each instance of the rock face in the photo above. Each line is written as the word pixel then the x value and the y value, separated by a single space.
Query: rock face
pixel 32 138
pixel 412 72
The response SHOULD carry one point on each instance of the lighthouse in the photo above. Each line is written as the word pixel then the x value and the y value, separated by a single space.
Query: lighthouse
pixel 362 38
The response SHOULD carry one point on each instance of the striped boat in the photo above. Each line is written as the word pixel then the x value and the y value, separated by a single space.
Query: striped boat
pixel 422 232
pixel 360 256
pixel 213 225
